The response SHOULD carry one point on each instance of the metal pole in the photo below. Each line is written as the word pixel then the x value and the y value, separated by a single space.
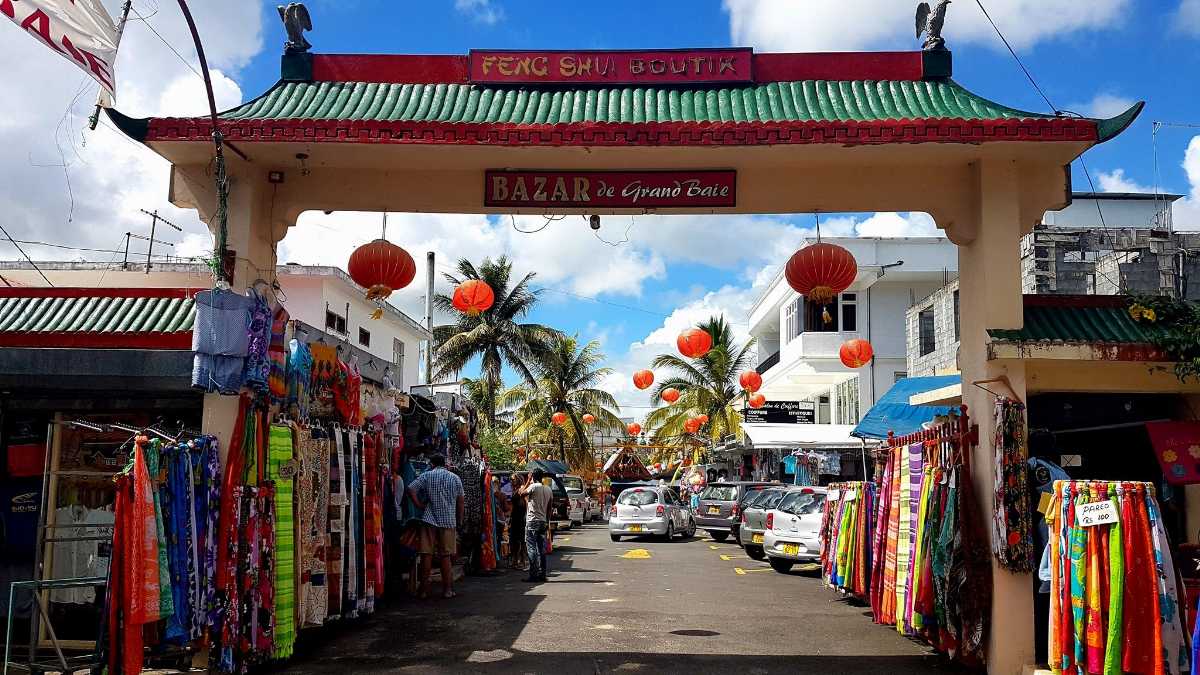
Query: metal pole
pixel 125 262
pixel 429 275
pixel 103 96
pixel 150 245
pixel 222 217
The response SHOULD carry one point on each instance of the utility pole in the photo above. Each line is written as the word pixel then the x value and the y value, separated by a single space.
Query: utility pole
pixel 125 262
pixel 154 218
pixel 429 270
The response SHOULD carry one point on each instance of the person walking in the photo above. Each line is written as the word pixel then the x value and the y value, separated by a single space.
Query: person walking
pixel 517 522
pixel 536 525
pixel 439 494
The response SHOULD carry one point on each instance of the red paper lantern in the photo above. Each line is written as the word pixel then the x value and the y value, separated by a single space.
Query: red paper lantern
pixel 856 353
pixel 559 418
pixel 703 419
pixel 642 379
pixel 694 343
pixel 821 271
pixel 670 394
pixel 381 267
pixel 757 400
pixel 750 380
pixel 634 428
pixel 473 296
pixel 589 419
pixel 692 425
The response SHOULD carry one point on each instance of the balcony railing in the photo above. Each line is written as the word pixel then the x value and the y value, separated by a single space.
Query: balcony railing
pixel 767 363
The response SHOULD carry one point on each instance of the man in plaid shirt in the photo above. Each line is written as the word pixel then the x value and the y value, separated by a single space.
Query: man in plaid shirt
pixel 440 494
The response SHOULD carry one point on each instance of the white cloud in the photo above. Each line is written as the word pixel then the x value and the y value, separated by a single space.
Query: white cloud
pixel 1102 106
pixel 1187 17
pixel 1186 214
pixel 838 25
pixel 482 11
pixel 1116 181
pixel 107 178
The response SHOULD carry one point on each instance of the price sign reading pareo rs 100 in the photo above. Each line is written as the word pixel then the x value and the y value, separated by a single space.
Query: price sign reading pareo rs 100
pixel 1096 513
pixel 610 189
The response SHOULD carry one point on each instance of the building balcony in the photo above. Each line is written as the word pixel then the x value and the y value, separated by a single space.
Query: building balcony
pixel 767 363
pixel 817 345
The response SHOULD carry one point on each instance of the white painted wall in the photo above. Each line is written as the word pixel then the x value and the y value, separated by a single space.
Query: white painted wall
pixel 1117 213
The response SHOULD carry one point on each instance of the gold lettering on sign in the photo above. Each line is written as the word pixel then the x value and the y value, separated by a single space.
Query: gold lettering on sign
pixel 506 65
pixel 727 64
pixel 566 66
pixel 499 187
pixel 541 66
pixel 657 66
pixel 520 193
pixel 637 66
pixel 560 190
pixel 605 67
pixel 678 67
pixel 582 187
pixel 696 63
pixel 539 188
pixel 488 62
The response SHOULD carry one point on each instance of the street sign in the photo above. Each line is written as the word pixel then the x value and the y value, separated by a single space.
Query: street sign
pixel 660 66
pixel 610 189
pixel 782 412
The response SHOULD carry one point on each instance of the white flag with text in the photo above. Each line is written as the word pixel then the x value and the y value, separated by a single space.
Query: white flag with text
pixel 79 30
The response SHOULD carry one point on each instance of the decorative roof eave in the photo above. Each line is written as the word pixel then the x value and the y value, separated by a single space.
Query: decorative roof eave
pixel 1049 350
pixel 940 130
pixel 97 318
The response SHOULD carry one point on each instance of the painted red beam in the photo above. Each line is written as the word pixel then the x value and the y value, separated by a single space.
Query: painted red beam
pixel 69 292
pixel 181 340
pixel 436 69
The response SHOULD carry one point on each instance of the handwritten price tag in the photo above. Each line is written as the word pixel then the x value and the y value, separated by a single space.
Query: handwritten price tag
pixel 851 495
pixel 834 495
pixel 1099 513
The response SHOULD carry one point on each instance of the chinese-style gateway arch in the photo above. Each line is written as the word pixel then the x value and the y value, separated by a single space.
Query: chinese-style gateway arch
pixel 782 133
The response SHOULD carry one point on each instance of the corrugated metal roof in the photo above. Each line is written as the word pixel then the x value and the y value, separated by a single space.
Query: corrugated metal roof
pixel 808 100
pixel 96 314
pixel 1077 319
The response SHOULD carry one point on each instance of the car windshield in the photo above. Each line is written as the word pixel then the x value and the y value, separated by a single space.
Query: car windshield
pixel 638 498
pixel 725 493
pixel 768 500
pixel 802 503
pixel 752 498
pixel 577 494
pixel 573 482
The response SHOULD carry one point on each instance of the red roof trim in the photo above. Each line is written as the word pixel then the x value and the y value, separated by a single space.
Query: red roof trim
pixel 436 69
pixel 71 292
pixel 642 134
pixel 57 340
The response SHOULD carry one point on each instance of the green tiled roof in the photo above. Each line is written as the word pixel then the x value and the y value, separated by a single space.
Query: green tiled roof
pixel 1056 319
pixel 96 314
pixel 808 100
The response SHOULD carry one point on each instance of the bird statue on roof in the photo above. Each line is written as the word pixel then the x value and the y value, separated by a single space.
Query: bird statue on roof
pixel 295 20
pixel 930 22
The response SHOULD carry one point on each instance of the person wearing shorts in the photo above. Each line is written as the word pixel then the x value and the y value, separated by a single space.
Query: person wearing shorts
pixel 439 494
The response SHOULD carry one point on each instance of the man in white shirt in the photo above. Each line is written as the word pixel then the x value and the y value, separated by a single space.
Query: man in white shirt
pixel 537 524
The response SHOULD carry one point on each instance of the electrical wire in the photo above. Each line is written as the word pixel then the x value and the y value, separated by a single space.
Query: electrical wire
pixel 144 20
pixel 14 243
pixel 1016 58
pixel 614 244
pixel 549 219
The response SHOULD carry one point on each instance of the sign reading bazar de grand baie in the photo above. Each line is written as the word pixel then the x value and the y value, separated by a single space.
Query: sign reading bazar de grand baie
pixel 662 66
pixel 610 189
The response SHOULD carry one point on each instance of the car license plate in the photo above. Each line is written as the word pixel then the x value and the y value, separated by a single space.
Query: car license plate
pixel 635 528
pixel 791 549
pixel 714 510
pixel 757 539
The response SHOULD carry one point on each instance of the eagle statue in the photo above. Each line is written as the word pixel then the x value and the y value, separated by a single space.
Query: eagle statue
pixel 930 22
pixel 295 20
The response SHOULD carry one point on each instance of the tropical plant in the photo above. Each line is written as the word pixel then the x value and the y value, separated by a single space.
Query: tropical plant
pixel 498 449
pixel 475 390
pixel 567 381
pixel 494 335
pixel 707 386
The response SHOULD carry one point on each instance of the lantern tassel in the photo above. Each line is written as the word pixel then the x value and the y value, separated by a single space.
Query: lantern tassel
pixel 377 314
pixel 826 316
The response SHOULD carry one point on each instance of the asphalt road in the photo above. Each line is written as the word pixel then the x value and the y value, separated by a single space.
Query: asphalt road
pixel 643 606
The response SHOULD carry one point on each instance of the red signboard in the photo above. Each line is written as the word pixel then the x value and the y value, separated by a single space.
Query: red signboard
pixel 1177 445
pixel 667 66
pixel 610 189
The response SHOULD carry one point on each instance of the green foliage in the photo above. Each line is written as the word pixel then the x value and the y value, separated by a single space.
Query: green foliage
pixel 1174 327
pixel 498 450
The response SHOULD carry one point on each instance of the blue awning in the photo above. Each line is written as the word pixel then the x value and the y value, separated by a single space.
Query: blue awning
pixel 894 413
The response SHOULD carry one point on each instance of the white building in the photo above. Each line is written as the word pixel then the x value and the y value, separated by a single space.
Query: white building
pixel 813 399
pixel 325 298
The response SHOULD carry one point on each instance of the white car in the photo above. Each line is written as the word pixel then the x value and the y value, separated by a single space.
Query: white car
pixel 579 506
pixel 793 529
pixel 650 510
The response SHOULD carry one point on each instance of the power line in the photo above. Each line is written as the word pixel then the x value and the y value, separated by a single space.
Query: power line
pixel 1016 58
pixel 14 243
pixel 174 51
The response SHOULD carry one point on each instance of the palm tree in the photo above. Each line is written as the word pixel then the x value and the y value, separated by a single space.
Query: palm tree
pixel 707 385
pixel 495 336
pixel 475 391
pixel 567 380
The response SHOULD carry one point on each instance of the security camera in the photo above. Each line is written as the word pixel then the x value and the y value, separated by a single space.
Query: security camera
pixel 594 222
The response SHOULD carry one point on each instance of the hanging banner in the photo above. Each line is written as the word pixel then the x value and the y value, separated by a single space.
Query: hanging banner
pixel 782 412
pixel 610 189
pixel 1177 446
pixel 661 66
pixel 80 31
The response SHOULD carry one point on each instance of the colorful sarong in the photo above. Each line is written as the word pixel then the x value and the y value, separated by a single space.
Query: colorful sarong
pixel 281 468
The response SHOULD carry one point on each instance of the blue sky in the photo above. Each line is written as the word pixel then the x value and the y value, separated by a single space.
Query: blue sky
pixel 84 189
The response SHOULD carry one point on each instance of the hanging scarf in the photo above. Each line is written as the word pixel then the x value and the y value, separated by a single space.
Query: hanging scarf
pixel 1116 592
pixel 1175 650
pixel 280 470
pixel 1012 526
pixel 372 519
pixel 277 350
pixel 338 505
pixel 313 504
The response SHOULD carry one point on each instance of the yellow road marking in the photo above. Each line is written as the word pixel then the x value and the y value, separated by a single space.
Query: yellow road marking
pixel 739 570
pixel 563 538
pixel 637 554
pixel 726 557
pixel 715 548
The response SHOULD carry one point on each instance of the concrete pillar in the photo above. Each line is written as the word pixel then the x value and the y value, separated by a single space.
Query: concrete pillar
pixel 990 297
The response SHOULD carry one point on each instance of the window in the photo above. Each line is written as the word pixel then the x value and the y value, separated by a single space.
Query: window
pixel 722 493
pixel 364 337
pixel 638 497
pixel 956 338
pixel 899 375
pixel 847 401
pixel 850 312
pixel 335 322
pixel 398 359
pixel 814 317
pixel 795 324
pixel 823 409
pixel 925 331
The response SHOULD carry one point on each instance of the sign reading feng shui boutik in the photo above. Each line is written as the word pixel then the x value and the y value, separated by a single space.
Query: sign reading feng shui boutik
pixel 665 66
pixel 783 412
pixel 610 189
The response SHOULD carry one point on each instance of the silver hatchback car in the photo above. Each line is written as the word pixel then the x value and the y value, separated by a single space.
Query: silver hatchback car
pixel 650 510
